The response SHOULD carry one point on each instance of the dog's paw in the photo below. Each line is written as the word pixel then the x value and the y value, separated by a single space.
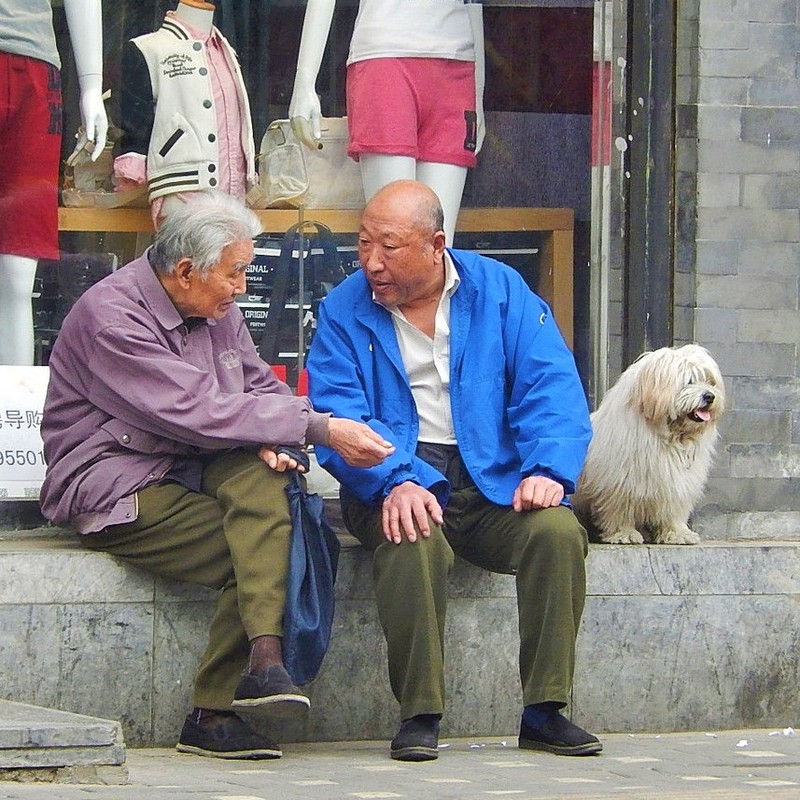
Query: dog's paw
pixel 678 535
pixel 622 536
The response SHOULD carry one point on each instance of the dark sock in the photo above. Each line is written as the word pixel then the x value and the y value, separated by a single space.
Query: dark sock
pixel 265 651
pixel 210 717
pixel 536 714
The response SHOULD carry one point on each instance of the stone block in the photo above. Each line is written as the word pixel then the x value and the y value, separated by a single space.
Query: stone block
pixel 750 426
pixel 715 325
pixel 771 191
pixel 717 257
pixel 769 258
pixel 770 125
pixel 765 494
pixel 746 157
pixel 777 393
pixel 768 91
pixel 722 91
pixel 780 325
pixel 36 739
pixel 764 460
pixel 687 663
pixel 719 123
pixel 764 526
pixel 780 11
pixel 724 35
pixel 714 190
pixel 746 292
pixel 746 63
pixel 768 359
pixel 755 224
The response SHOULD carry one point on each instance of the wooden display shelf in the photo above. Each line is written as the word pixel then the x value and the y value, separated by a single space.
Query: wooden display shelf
pixel 556 257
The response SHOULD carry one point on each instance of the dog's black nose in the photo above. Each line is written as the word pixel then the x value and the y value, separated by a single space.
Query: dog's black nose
pixel 708 398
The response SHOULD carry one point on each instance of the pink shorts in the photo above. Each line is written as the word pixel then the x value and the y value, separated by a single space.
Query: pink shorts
pixel 423 108
pixel 30 138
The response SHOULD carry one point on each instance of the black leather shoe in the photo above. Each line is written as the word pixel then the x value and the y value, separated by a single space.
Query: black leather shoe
pixel 417 739
pixel 232 738
pixel 272 688
pixel 558 735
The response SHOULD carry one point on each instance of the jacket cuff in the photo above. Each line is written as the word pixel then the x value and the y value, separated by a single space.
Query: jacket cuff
pixel 317 429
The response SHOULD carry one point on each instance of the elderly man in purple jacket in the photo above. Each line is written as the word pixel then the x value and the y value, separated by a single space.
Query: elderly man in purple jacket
pixel 167 441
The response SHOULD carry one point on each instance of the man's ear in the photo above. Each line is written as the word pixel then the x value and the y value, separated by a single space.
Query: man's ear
pixel 439 242
pixel 183 271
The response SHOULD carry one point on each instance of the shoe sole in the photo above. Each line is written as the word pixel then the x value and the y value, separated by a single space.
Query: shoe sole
pixel 278 705
pixel 416 753
pixel 588 749
pixel 260 753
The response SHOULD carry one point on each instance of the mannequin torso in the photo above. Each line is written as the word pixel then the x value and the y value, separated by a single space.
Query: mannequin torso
pixel 196 13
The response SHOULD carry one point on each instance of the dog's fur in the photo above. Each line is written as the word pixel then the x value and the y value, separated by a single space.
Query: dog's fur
pixel 654 438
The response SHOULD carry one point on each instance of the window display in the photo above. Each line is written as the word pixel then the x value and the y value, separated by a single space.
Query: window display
pixel 30 135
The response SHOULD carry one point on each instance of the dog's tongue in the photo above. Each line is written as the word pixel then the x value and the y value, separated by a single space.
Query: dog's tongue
pixel 703 414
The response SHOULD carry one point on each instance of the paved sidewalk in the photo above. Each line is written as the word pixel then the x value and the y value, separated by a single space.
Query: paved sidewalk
pixel 733 765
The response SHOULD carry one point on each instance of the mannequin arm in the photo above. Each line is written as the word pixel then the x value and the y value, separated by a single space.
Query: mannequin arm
pixel 304 108
pixel 475 11
pixel 84 20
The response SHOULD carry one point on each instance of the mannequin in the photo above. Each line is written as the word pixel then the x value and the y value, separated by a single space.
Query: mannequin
pixel 27 43
pixel 379 168
pixel 185 112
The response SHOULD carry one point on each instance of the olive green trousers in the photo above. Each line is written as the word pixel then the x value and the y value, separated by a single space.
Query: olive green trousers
pixel 545 550
pixel 234 536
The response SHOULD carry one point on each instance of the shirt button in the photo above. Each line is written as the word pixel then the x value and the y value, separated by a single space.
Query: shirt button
pixel 203 71
pixel 212 137
pixel 212 182
pixel 212 167
pixel 197 46
pixel 126 438
pixel 206 104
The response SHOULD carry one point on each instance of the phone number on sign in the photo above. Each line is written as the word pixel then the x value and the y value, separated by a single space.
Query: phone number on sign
pixel 19 458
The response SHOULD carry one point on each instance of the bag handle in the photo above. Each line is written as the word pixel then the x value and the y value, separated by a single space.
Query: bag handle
pixel 323 236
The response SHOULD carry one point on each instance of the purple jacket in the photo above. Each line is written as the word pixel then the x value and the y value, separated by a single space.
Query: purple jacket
pixel 132 390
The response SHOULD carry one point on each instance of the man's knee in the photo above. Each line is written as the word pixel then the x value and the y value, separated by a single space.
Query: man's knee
pixel 557 530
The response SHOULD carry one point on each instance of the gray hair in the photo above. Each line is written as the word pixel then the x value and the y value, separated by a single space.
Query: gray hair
pixel 200 229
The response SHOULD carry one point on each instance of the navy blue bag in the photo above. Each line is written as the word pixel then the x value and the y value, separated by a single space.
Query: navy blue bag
pixel 313 559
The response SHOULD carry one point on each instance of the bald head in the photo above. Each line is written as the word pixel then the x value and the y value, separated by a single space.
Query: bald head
pixel 409 203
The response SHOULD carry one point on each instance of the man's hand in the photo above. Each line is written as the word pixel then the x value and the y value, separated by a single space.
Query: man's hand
pixel 357 443
pixel 536 491
pixel 280 462
pixel 406 509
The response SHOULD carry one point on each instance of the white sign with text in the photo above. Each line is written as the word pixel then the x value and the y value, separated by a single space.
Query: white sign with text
pixel 22 391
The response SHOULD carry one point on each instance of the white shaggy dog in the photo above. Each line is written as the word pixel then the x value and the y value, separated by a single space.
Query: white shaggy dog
pixel 654 437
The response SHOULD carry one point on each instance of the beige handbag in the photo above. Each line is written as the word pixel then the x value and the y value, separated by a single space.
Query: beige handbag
pixel 291 175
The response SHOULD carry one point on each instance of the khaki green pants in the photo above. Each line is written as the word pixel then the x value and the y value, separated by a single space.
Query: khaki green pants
pixel 233 535
pixel 544 549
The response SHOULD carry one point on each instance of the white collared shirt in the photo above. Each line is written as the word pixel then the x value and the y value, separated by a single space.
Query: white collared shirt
pixel 427 364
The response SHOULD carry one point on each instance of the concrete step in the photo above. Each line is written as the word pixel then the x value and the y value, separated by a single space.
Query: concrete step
pixel 41 744
pixel 672 639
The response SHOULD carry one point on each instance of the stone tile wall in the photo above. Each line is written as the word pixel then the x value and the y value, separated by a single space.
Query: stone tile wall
pixel 739 248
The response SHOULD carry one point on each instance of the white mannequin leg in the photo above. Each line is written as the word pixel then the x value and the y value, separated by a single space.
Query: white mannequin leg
pixel 377 170
pixel 447 180
pixel 16 312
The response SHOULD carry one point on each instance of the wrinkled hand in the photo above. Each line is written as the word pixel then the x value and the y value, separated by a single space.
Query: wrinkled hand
pixel 280 462
pixel 357 443
pixel 406 510
pixel 536 491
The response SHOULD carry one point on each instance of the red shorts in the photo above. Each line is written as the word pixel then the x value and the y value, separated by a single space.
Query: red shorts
pixel 423 108
pixel 30 138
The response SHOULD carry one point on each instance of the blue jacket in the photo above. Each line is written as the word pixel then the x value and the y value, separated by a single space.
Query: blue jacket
pixel 518 404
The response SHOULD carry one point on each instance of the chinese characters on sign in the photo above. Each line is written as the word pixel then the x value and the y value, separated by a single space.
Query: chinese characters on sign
pixel 21 458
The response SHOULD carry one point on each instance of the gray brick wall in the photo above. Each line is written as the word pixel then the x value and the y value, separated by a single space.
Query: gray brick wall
pixel 739 130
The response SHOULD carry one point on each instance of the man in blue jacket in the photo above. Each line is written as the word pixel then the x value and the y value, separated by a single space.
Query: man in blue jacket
pixel 450 357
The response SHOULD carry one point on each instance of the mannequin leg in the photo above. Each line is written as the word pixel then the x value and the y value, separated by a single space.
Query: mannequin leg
pixel 16 312
pixel 447 180
pixel 377 170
